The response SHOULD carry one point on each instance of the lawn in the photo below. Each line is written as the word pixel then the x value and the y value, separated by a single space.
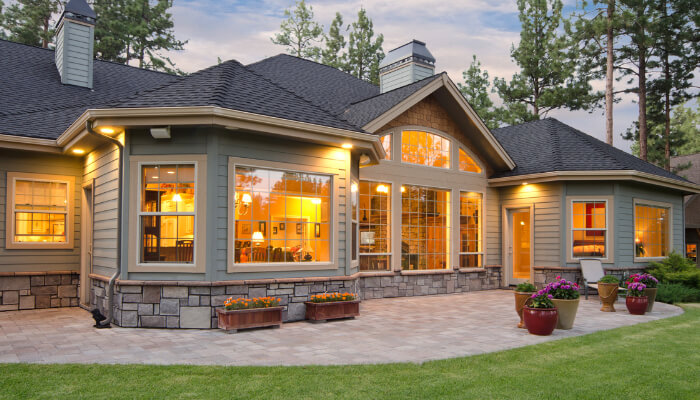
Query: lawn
pixel 655 360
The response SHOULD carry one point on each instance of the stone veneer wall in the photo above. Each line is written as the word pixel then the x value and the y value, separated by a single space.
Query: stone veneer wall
pixel 544 275
pixel 182 304
pixel 30 290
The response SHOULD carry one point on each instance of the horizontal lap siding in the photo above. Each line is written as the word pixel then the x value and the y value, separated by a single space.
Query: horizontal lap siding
pixel 493 222
pixel 18 260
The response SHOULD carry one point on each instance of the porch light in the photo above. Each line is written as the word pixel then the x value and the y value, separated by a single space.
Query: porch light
pixel 382 189
pixel 78 151
pixel 525 183
pixel 347 145
pixel 106 130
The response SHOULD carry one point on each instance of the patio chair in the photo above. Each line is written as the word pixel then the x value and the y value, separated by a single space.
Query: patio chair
pixel 592 270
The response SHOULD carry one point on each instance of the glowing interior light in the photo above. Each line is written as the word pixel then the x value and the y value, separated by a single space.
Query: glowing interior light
pixel 353 187
pixel 316 201
pixel 403 189
pixel 258 238
pixel 382 189
pixel 177 197
pixel 522 223
pixel 246 199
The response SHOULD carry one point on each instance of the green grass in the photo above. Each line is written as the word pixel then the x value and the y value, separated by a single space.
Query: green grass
pixel 655 360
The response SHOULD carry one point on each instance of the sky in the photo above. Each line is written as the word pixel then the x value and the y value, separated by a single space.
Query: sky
pixel 453 31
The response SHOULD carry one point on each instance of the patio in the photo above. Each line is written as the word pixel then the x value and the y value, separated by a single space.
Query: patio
pixel 411 329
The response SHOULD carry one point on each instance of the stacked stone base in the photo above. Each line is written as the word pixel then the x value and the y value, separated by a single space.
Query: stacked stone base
pixel 188 305
pixel 544 275
pixel 32 290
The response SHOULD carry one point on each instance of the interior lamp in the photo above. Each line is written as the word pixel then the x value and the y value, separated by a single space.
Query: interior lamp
pixel 258 238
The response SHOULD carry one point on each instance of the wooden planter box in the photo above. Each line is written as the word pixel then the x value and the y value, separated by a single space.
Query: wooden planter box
pixel 233 320
pixel 332 310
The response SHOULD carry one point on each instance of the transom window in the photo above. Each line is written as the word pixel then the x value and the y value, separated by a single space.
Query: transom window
pixel 386 144
pixel 281 216
pixel 40 211
pixel 467 164
pixel 470 238
pixel 375 226
pixel 424 148
pixel 425 228
pixel 651 231
pixel 167 213
pixel 589 229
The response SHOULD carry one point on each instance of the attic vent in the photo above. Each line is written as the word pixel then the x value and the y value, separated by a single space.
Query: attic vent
pixel 404 65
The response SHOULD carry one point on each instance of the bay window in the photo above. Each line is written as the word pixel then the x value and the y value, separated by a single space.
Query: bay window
pixel 375 226
pixel 425 228
pixel 470 224
pixel 651 230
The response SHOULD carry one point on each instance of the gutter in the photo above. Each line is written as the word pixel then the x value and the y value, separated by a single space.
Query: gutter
pixel 110 288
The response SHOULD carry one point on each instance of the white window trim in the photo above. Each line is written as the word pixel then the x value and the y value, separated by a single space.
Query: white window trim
pixel 233 267
pixel 669 238
pixel 609 227
pixel 12 178
pixel 435 132
pixel 482 221
pixel 199 248
pixel 355 220
pixel 473 157
pixel 391 230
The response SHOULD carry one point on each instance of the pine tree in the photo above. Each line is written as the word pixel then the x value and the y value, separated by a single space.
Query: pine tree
pixel 333 54
pixel 111 30
pixel 548 77
pixel 29 21
pixel 300 34
pixel 2 19
pixel 152 32
pixel 364 51
pixel 476 89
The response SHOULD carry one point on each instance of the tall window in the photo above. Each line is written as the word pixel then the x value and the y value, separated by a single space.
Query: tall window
pixel 354 200
pixel 470 239
pixel 425 148
pixel 40 210
pixel 167 213
pixel 651 231
pixel 375 226
pixel 425 227
pixel 386 144
pixel 589 230
pixel 281 216
pixel 467 164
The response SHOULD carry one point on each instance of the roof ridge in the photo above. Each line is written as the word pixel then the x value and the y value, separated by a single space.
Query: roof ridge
pixel 398 88
pixel 557 144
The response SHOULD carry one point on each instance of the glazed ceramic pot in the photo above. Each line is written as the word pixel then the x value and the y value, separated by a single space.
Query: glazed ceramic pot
pixel 540 321
pixel 521 299
pixel 651 294
pixel 608 295
pixel 637 305
pixel 567 312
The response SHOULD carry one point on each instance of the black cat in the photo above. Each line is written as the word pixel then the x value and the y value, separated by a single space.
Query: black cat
pixel 97 315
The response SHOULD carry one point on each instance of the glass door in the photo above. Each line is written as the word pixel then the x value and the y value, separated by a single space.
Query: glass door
pixel 520 245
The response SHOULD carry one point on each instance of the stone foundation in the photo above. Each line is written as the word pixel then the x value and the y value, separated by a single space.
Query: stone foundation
pixel 544 275
pixel 182 304
pixel 31 290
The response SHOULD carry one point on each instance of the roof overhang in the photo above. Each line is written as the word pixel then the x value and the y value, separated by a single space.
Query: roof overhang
pixel 608 175
pixel 453 101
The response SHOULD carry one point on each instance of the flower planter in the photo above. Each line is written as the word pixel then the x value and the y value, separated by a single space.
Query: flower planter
pixel 233 320
pixel 651 294
pixel 521 299
pixel 332 310
pixel 608 295
pixel 567 312
pixel 540 321
pixel 637 305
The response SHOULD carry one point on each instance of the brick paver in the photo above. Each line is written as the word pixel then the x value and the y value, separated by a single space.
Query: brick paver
pixel 412 329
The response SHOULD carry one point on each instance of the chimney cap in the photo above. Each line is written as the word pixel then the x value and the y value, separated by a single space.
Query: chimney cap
pixel 79 10
pixel 414 49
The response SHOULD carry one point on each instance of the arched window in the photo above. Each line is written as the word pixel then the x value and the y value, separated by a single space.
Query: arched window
pixel 467 164
pixel 418 147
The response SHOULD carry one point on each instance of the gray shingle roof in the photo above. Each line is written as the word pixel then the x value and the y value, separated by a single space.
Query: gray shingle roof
pixel 549 145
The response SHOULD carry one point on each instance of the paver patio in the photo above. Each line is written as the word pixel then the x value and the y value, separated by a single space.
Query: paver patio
pixel 413 329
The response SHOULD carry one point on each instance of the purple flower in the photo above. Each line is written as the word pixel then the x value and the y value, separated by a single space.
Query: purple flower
pixel 550 296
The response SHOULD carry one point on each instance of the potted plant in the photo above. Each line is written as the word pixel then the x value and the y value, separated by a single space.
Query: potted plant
pixel 636 300
pixel 323 307
pixel 522 294
pixel 607 291
pixel 651 286
pixel 242 313
pixel 565 297
pixel 540 315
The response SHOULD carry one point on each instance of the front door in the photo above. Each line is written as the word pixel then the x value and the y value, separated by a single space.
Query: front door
pixel 86 245
pixel 519 246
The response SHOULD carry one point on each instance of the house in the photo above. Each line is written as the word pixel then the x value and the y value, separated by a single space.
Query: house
pixel 154 197
pixel 691 163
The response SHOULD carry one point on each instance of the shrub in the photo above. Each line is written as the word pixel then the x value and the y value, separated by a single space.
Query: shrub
pixel 609 279
pixel 676 269
pixel 676 293
pixel 526 287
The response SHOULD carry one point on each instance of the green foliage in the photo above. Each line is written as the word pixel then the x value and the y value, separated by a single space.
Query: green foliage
pixel 676 269
pixel 609 279
pixel 2 18
pixel 364 50
pixel 333 54
pixel 30 21
pixel 299 33
pixel 476 89
pixel 541 299
pixel 673 293
pixel 525 287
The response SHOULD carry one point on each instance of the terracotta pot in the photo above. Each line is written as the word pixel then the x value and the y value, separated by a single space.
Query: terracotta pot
pixel 233 320
pixel 651 294
pixel 332 310
pixel 608 295
pixel 637 305
pixel 521 299
pixel 540 321
pixel 567 312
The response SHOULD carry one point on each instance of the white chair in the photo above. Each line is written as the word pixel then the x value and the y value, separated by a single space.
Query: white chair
pixel 592 270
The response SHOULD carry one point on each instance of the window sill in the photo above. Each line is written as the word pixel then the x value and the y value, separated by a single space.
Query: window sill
pixel 428 272
pixel 38 246
pixel 648 259
pixel 281 267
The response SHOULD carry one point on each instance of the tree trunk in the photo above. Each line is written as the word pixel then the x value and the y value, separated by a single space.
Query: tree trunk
pixel 667 106
pixel 642 104
pixel 609 72
pixel 44 39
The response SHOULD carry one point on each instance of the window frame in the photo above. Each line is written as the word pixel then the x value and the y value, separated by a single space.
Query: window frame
pixel 12 178
pixel 669 236
pixel 482 223
pixel 200 228
pixel 427 130
pixel 609 227
pixel 233 267
pixel 391 229
pixel 471 155
pixel 390 155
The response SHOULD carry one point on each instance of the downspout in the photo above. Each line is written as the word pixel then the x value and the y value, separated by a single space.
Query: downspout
pixel 113 279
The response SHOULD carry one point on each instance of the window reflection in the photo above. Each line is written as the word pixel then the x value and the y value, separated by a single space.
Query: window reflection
pixel 425 226
pixel 425 148
pixel 375 226
pixel 467 164
pixel 386 144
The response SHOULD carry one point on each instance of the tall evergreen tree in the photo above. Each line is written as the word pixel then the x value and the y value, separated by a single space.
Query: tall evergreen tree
pixel 476 89
pixel 548 77
pixel 29 21
pixel 364 50
pixel 111 30
pixel 299 33
pixel 2 19
pixel 151 33
pixel 334 52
